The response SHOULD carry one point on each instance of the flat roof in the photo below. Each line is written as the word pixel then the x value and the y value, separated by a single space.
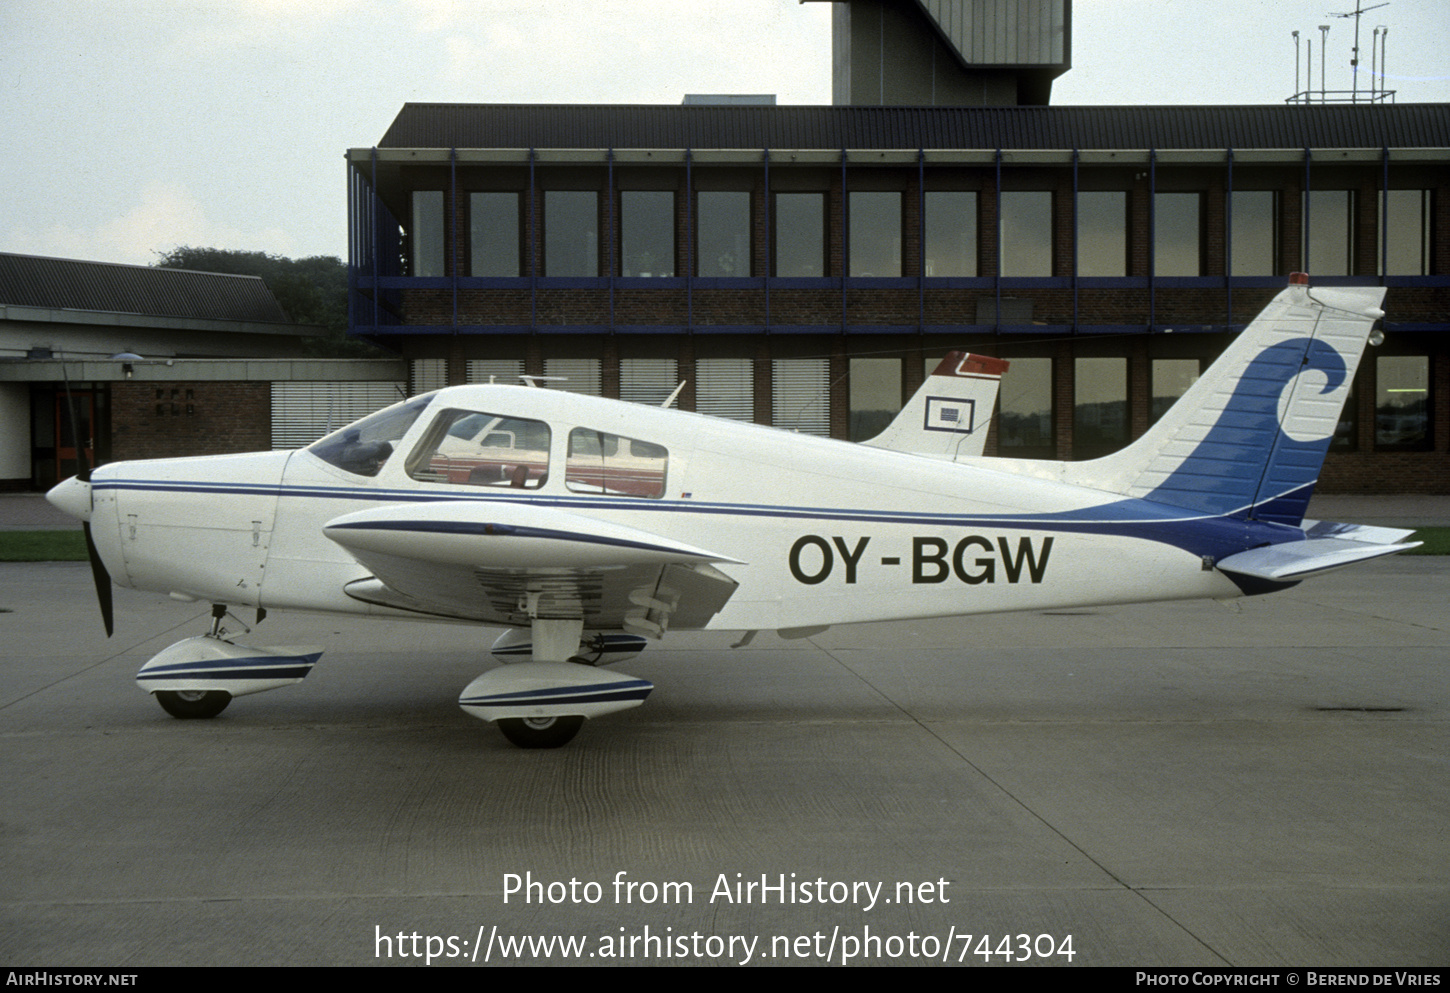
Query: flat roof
pixel 666 126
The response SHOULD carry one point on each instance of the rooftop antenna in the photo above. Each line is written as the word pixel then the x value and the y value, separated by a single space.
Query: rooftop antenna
pixel 1296 62
pixel 1354 59
pixel 1323 47
pixel 1384 59
pixel 1374 75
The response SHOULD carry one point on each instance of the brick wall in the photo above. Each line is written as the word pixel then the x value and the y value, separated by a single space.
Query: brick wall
pixel 169 420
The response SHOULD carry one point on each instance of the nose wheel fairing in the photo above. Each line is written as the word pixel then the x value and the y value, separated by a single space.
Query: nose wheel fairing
pixel 211 663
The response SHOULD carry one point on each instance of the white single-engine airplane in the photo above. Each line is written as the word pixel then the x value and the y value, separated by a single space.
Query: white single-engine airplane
pixel 587 526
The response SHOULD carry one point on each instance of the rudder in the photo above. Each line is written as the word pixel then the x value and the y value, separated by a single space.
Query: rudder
pixel 1249 437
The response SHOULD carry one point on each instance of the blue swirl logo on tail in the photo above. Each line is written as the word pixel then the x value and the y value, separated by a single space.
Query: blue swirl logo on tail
pixel 1247 465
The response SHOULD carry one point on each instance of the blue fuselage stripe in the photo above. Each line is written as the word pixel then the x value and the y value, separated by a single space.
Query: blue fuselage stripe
pixel 1200 534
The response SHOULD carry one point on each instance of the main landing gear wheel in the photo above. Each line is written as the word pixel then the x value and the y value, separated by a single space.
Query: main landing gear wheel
pixel 540 732
pixel 188 704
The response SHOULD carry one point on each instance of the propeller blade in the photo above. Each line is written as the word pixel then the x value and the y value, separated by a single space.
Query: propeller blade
pixel 103 581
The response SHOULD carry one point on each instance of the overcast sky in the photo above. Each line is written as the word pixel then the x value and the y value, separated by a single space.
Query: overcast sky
pixel 133 126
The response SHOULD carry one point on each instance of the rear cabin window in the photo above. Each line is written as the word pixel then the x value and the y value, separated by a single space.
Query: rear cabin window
pixel 473 448
pixel 365 446
pixel 600 462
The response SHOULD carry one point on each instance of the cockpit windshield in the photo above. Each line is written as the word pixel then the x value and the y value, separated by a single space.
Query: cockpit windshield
pixel 365 446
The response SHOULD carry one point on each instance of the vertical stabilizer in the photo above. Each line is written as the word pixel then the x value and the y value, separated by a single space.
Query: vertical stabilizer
pixel 1249 437
pixel 949 416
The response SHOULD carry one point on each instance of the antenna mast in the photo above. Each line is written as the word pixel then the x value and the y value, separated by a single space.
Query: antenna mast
pixel 1378 92
pixel 1357 13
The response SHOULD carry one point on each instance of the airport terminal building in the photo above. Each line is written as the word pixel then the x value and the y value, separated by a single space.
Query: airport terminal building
pixel 805 266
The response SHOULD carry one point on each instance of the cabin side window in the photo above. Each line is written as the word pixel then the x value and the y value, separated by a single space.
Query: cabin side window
pixel 600 462
pixel 473 448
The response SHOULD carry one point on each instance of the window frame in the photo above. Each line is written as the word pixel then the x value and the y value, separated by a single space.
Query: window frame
pixel 474 218
pixel 776 227
pixel 628 219
pixel 549 225
pixel 1005 197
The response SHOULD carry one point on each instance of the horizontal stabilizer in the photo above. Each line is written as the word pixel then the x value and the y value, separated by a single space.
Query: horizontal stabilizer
pixel 1370 533
pixel 1295 560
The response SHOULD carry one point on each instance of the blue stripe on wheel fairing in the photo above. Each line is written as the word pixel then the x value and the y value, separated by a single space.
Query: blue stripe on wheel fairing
pixel 258 673
pixel 252 664
pixel 599 693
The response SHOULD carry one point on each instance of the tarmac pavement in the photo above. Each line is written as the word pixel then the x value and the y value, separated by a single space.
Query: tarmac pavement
pixel 1258 783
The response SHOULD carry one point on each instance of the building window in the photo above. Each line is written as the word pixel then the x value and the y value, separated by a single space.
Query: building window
pixel 1402 403
pixel 1100 407
pixel 1025 234
pixel 571 233
pixel 575 376
pixel 800 234
pixel 426 375
pixel 1177 234
pixel 722 236
pixel 1171 379
pixel 801 395
pixel 875 396
pixel 875 226
pixel 302 412
pixel 951 233
pixel 493 234
pixel 1024 424
pixel 1328 232
pixel 647 233
pixel 648 381
pixel 1102 234
pixel 725 388
pixel 1346 430
pixel 425 237
pixel 1254 234
pixel 1408 225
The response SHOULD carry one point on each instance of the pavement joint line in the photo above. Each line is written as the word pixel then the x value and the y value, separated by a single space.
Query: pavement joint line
pixel 94 665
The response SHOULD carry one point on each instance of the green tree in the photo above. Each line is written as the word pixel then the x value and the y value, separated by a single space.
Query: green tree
pixel 312 290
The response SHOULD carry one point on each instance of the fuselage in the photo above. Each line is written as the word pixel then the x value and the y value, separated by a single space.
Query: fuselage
pixel 819 531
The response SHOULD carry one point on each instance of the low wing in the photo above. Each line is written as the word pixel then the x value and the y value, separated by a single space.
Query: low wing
pixel 506 562
pixel 949 416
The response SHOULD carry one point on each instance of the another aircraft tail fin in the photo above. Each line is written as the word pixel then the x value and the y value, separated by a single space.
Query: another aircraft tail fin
pixel 949 416
pixel 1249 437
